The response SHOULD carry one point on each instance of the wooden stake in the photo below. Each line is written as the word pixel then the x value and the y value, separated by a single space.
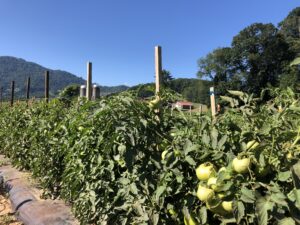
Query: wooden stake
pixel 212 101
pixel 89 81
pixel 47 86
pixel 1 93
pixel 12 93
pixel 158 69
pixel 27 89
pixel 299 25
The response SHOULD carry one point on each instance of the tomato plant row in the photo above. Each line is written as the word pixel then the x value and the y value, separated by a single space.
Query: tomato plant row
pixel 126 161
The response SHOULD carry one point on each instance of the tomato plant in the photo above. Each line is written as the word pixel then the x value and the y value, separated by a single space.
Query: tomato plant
pixel 122 160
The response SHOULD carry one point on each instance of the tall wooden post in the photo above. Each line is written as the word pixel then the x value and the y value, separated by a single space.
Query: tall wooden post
pixel 47 86
pixel 1 94
pixel 89 81
pixel 12 93
pixel 212 101
pixel 27 89
pixel 298 25
pixel 158 69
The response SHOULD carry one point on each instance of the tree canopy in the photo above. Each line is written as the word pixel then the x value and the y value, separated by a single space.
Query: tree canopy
pixel 259 56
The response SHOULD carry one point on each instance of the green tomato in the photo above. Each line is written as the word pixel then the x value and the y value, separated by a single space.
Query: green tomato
pixel 212 183
pixel 227 206
pixel 289 155
pixel 218 209
pixel 163 154
pixel 241 165
pixel 205 194
pixel 221 195
pixel 173 134
pixel 252 144
pixel 205 171
pixel 177 153
pixel 190 221
pixel 222 169
pixel 172 212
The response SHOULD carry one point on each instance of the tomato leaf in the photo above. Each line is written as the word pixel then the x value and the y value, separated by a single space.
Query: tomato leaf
pixel 287 221
pixel 203 215
pixel 190 160
pixel 247 195
pixel 284 176
pixel 160 190
pixel 263 204
pixel 240 212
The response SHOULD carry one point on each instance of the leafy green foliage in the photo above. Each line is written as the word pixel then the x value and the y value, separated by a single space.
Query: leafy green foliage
pixel 70 92
pixel 122 161
pixel 194 90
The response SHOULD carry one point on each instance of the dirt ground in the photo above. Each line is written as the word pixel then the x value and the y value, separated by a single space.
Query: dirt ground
pixel 6 215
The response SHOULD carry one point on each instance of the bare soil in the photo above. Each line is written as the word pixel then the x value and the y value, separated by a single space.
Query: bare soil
pixel 6 215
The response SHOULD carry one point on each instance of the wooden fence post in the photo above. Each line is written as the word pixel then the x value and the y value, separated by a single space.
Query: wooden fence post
pixel 27 89
pixel 47 86
pixel 1 93
pixel 158 69
pixel 12 93
pixel 89 81
pixel 212 101
pixel 298 24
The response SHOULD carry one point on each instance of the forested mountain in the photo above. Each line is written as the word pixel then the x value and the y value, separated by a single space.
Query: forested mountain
pixel 16 69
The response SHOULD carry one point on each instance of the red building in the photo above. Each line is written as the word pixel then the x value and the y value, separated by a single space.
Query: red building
pixel 183 105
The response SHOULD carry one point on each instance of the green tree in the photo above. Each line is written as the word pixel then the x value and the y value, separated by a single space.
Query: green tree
pixel 70 91
pixel 166 77
pixel 198 92
pixel 289 27
pixel 194 90
pixel 218 67
pixel 260 55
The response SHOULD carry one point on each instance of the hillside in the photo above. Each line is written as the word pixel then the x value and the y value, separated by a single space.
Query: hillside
pixel 17 69
pixel 194 90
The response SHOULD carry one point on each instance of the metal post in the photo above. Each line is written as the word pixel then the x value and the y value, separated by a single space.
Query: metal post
pixel 212 101
pixel 47 86
pixel 89 81
pixel 12 94
pixel 82 91
pixel 96 92
pixel 158 69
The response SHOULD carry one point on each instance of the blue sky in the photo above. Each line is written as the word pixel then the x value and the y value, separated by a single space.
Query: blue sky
pixel 119 36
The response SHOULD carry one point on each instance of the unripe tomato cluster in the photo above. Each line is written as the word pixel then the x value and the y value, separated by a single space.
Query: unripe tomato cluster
pixel 209 189
pixel 206 172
